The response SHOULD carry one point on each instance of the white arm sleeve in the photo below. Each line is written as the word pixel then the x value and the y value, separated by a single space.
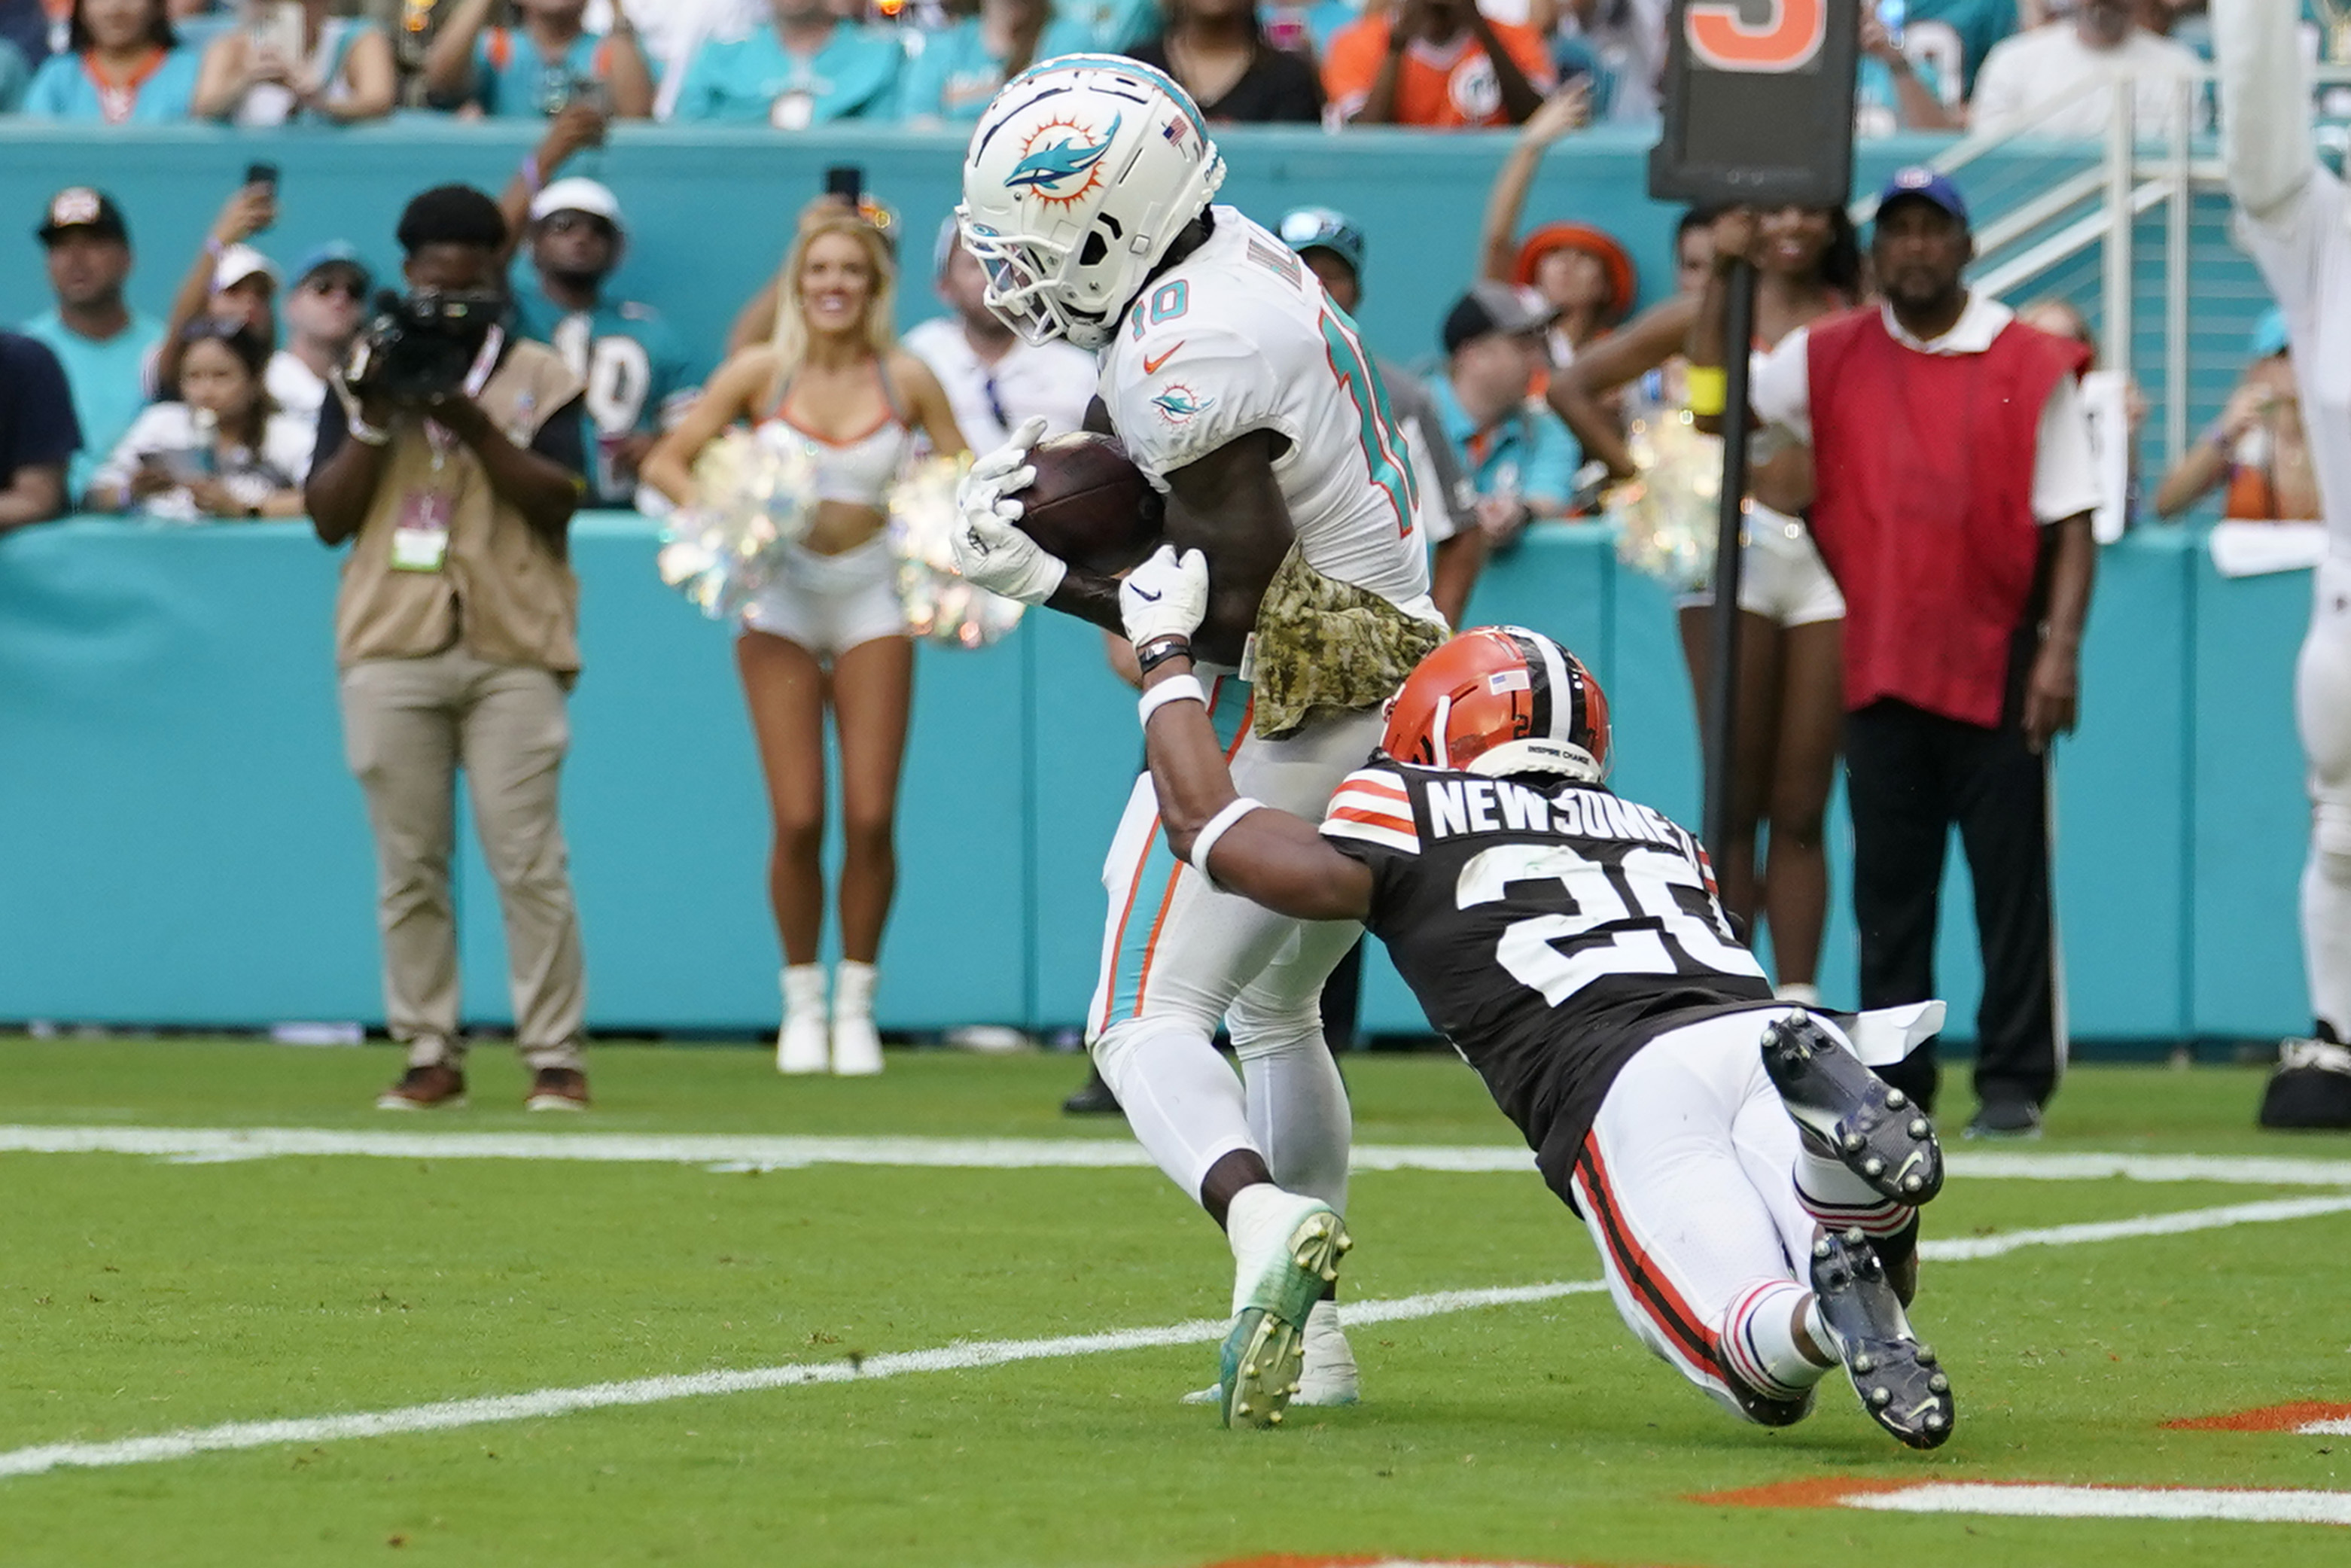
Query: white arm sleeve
pixel 1780 391
pixel 2264 106
pixel 2065 461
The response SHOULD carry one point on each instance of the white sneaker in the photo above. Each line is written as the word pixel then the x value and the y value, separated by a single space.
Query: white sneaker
pixel 856 1043
pixel 1285 1248
pixel 1329 1375
pixel 803 1044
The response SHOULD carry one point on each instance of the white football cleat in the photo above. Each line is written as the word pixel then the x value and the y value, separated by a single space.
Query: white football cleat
pixel 1286 1249
pixel 804 1044
pixel 1330 1376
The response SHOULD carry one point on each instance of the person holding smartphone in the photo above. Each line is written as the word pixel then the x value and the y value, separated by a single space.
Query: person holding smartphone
pixel 220 450
pixel 539 68
pixel 810 68
pixel 291 61
pixel 122 65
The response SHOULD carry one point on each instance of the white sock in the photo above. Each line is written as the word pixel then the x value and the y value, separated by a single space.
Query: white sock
pixel 1184 1104
pixel 1297 1111
pixel 2326 923
pixel 1841 1200
pixel 803 991
pixel 1759 1339
pixel 1803 993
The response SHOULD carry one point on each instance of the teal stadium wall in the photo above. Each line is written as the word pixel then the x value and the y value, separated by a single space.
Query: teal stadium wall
pixel 180 843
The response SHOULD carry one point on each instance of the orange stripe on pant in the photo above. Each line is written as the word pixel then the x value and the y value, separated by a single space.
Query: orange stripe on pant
pixel 1168 901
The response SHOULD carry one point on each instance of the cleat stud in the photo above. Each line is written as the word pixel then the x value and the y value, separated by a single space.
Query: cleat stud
pixel 1918 1127
pixel 1250 1370
pixel 1897 1099
pixel 1926 1355
pixel 1819 1248
pixel 1329 1275
pixel 1881 1397
pixel 1297 1387
pixel 1854 1238
pixel 1934 1420
pixel 1853 1141
pixel 1938 1383
pixel 1873 1166
pixel 1242 1409
pixel 1912 1184
pixel 1273 1418
pixel 1865 1364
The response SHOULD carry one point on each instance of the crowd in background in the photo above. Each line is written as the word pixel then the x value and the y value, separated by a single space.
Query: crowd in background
pixel 792 64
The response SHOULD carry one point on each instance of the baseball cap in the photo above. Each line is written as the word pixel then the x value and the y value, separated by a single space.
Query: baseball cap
pixel 336 252
pixel 2268 339
pixel 1928 185
pixel 1491 307
pixel 1324 228
pixel 578 196
pixel 79 207
pixel 239 262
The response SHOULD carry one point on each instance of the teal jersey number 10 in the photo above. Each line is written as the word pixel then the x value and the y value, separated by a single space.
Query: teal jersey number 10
pixel 1384 448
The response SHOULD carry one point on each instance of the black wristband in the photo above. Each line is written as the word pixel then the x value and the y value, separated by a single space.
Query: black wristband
pixel 1159 649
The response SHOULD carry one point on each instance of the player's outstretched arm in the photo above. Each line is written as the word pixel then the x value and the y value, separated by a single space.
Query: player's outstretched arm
pixel 1265 855
pixel 2264 120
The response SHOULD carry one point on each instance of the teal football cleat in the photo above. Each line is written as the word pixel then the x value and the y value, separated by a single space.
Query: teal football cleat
pixel 1286 1252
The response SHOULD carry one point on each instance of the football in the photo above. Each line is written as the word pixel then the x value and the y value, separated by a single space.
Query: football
pixel 1090 505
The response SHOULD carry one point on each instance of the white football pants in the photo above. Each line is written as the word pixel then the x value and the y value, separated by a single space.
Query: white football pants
pixel 1179 956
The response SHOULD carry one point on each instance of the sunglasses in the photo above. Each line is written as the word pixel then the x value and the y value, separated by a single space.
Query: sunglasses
pixel 348 287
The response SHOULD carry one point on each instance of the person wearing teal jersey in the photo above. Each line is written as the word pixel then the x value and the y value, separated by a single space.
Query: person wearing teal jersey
pixel 633 364
pixel 15 75
pixel 1895 91
pixel 809 69
pixel 534 70
pixel 107 349
pixel 122 66
pixel 1518 456
pixel 1115 26
pixel 961 67
pixel 1955 36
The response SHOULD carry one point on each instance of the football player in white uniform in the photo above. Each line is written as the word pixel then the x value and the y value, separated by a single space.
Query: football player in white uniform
pixel 1752 1187
pixel 1247 398
pixel 2297 218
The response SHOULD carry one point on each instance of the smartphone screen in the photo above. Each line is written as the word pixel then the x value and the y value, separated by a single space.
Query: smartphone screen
pixel 277 27
pixel 846 181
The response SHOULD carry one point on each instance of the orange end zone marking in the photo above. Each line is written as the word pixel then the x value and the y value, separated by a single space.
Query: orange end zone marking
pixel 1824 1493
pixel 2268 1418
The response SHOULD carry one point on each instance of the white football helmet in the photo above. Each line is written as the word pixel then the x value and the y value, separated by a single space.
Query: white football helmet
pixel 1082 173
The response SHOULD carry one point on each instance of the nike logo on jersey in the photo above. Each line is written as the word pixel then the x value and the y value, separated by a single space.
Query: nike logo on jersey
pixel 1151 366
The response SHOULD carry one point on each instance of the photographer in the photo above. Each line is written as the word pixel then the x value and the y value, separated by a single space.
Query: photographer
pixel 452 462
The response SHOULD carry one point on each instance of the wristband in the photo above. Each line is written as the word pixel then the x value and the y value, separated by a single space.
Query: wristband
pixel 1157 650
pixel 366 434
pixel 1709 389
pixel 1174 689
pixel 1218 825
pixel 530 175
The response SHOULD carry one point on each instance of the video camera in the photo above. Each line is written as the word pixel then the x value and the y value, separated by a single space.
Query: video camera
pixel 421 345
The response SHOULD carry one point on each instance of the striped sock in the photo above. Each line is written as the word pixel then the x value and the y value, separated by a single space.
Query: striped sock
pixel 1841 1201
pixel 1759 1339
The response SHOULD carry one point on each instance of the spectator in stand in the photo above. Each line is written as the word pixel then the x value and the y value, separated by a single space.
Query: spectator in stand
pixel 15 75
pixel 1955 480
pixel 1436 63
pixel 1333 248
pixel 343 73
pixel 1519 458
pixel 992 379
pixel 962 65
pixel 123 66
pixel 108 349
pixel 1955 37
pixel 2069 67
pixel 1116 26
pixel 227 280
pixel 322 314
pixel 2258 448
pixel 633 366
pixel 539 68
pixel 1217 50
pixel 1618 48
pixel 1893 92
pixel 1586 277
pixel 671 32
pixel 38 434
pixel 456 637
pixel 809 67
pixel 221 451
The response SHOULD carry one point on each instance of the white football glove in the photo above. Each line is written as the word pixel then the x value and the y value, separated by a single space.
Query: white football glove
pixel 989 551
pixel 1167 596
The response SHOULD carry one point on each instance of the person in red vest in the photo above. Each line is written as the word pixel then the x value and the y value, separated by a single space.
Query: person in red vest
pixel 1953 485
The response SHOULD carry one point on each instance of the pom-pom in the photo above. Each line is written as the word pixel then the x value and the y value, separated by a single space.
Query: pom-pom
pixel 757 494
pixel 940 605
pixel 1669 515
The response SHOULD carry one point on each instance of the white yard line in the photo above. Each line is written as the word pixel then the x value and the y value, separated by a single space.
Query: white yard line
pixel 2025 1499
pixel 2325 1429
pixel 729 1152
pixel 547 1402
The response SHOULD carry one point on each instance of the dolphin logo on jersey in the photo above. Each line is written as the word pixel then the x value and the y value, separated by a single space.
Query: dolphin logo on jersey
pixel 1046 169
pixel 1179 403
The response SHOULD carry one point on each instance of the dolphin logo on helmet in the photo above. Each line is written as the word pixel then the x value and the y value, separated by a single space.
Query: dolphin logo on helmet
pixel 1046 168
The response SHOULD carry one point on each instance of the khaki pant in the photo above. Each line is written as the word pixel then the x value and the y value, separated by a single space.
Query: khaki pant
pixel 408 726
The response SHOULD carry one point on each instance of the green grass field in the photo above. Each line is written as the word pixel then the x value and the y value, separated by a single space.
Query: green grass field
pixel 143 1295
